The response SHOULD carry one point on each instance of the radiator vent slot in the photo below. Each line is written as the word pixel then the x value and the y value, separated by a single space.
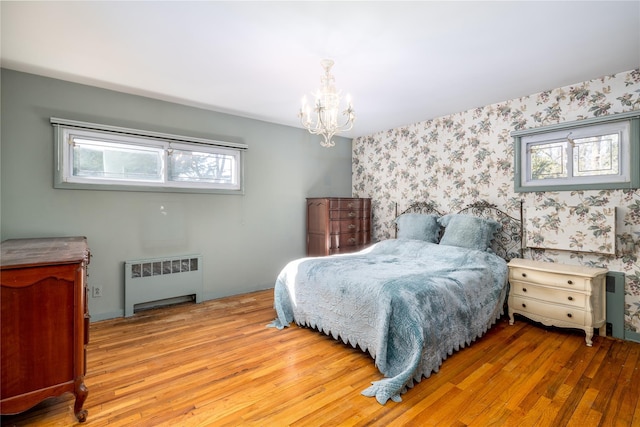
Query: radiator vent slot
pixel 161 267
pixel 161 279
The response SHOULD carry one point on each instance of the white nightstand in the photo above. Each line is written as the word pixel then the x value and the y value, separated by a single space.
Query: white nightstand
pixel 569 296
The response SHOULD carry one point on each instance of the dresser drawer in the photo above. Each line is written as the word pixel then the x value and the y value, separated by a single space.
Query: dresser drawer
pixel 346 204
pixel 567 281
pixel 546 310
pixel 346 226
pixel 355 225
pixel 349 239
pixel 346 214
pixel 559 296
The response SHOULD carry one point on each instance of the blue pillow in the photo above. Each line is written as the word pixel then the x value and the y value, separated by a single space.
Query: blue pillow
pixel 418 227
pixel 467 231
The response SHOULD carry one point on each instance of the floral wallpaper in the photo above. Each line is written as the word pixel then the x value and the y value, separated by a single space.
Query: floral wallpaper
pixel 583 228
pixel 468 156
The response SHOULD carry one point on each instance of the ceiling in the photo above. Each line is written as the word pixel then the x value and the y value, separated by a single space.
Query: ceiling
pixel 401 62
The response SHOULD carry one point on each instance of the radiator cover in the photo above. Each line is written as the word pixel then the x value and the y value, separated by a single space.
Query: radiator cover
pixel 615 303
pixel 155 279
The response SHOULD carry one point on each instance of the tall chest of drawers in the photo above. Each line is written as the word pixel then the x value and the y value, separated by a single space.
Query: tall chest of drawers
pixel 337 225
pixel 560 295
pixel 45 322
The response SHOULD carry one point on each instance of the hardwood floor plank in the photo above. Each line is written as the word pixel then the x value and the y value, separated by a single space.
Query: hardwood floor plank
pixel 217 364
pixel 584 415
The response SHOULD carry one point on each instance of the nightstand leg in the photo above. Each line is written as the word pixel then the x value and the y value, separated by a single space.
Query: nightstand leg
pixel 511 317
pixel 588 338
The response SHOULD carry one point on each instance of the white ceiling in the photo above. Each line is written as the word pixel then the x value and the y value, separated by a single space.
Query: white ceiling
pixel 402 62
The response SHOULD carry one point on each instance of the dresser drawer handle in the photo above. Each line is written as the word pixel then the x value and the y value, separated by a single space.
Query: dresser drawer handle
pixel 352 240
pixel 570 282
pixel 524 274
pixel 350 205
pixel 569 315
pixel 351 226
pixel 352 214
pixel 570 298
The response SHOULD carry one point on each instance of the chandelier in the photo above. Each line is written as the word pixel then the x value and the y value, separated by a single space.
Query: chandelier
pixel 325 119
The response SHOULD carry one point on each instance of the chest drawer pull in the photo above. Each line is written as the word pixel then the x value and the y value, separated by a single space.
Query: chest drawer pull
pixel 524 305
pixel 524 289
pixel 524 274
pixel 570 298
pixel 351 226
pixel 352 214
pixel 570 282
pixel 569 315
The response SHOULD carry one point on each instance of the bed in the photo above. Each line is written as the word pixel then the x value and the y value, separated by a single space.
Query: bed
pixel 411 301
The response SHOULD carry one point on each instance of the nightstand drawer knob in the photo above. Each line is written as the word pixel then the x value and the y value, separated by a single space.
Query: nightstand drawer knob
pixel 524 305
pixel 524 289
pixel 570 282
pixel 569 315
pixel 524 274
pixel 570 298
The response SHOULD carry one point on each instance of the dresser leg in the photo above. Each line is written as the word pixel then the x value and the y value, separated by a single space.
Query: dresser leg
pixel 81 393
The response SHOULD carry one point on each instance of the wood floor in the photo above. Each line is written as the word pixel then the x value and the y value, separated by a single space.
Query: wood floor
pixel 216 363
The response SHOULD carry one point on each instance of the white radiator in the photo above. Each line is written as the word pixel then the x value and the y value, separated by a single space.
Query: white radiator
pixel 150 280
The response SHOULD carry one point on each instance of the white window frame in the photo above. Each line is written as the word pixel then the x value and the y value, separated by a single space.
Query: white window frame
pixel 68 132
pixel 626 125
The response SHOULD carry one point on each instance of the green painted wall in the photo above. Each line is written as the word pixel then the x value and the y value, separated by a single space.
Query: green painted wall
pixel 244 240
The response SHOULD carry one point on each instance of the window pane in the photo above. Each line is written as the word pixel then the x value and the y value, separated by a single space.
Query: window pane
pixel 596 155
pixel 193 166
pixel 104 160
pixel 548 161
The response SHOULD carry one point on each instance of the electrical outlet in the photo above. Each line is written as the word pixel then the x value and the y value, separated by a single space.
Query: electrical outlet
pixel 97 291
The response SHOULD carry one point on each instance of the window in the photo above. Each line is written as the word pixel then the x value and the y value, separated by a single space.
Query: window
pixel 600 153
pixel 91 156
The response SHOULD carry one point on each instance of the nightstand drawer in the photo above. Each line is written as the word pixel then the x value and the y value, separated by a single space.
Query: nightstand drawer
pixel 549 278
pixel 558 296
pixel 546 310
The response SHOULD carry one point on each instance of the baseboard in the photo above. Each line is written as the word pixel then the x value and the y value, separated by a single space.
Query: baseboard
pixel 106 316
pixel 631 336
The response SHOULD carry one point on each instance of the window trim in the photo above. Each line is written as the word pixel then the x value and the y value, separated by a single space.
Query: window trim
pixel 520 157
pixel 64 127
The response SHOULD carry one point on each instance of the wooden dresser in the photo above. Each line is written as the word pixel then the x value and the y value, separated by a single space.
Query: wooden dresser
pixel 45 321
pixel 337 225
pixel 569 296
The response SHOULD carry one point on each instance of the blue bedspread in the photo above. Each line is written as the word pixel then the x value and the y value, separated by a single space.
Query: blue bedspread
pixel 408 303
